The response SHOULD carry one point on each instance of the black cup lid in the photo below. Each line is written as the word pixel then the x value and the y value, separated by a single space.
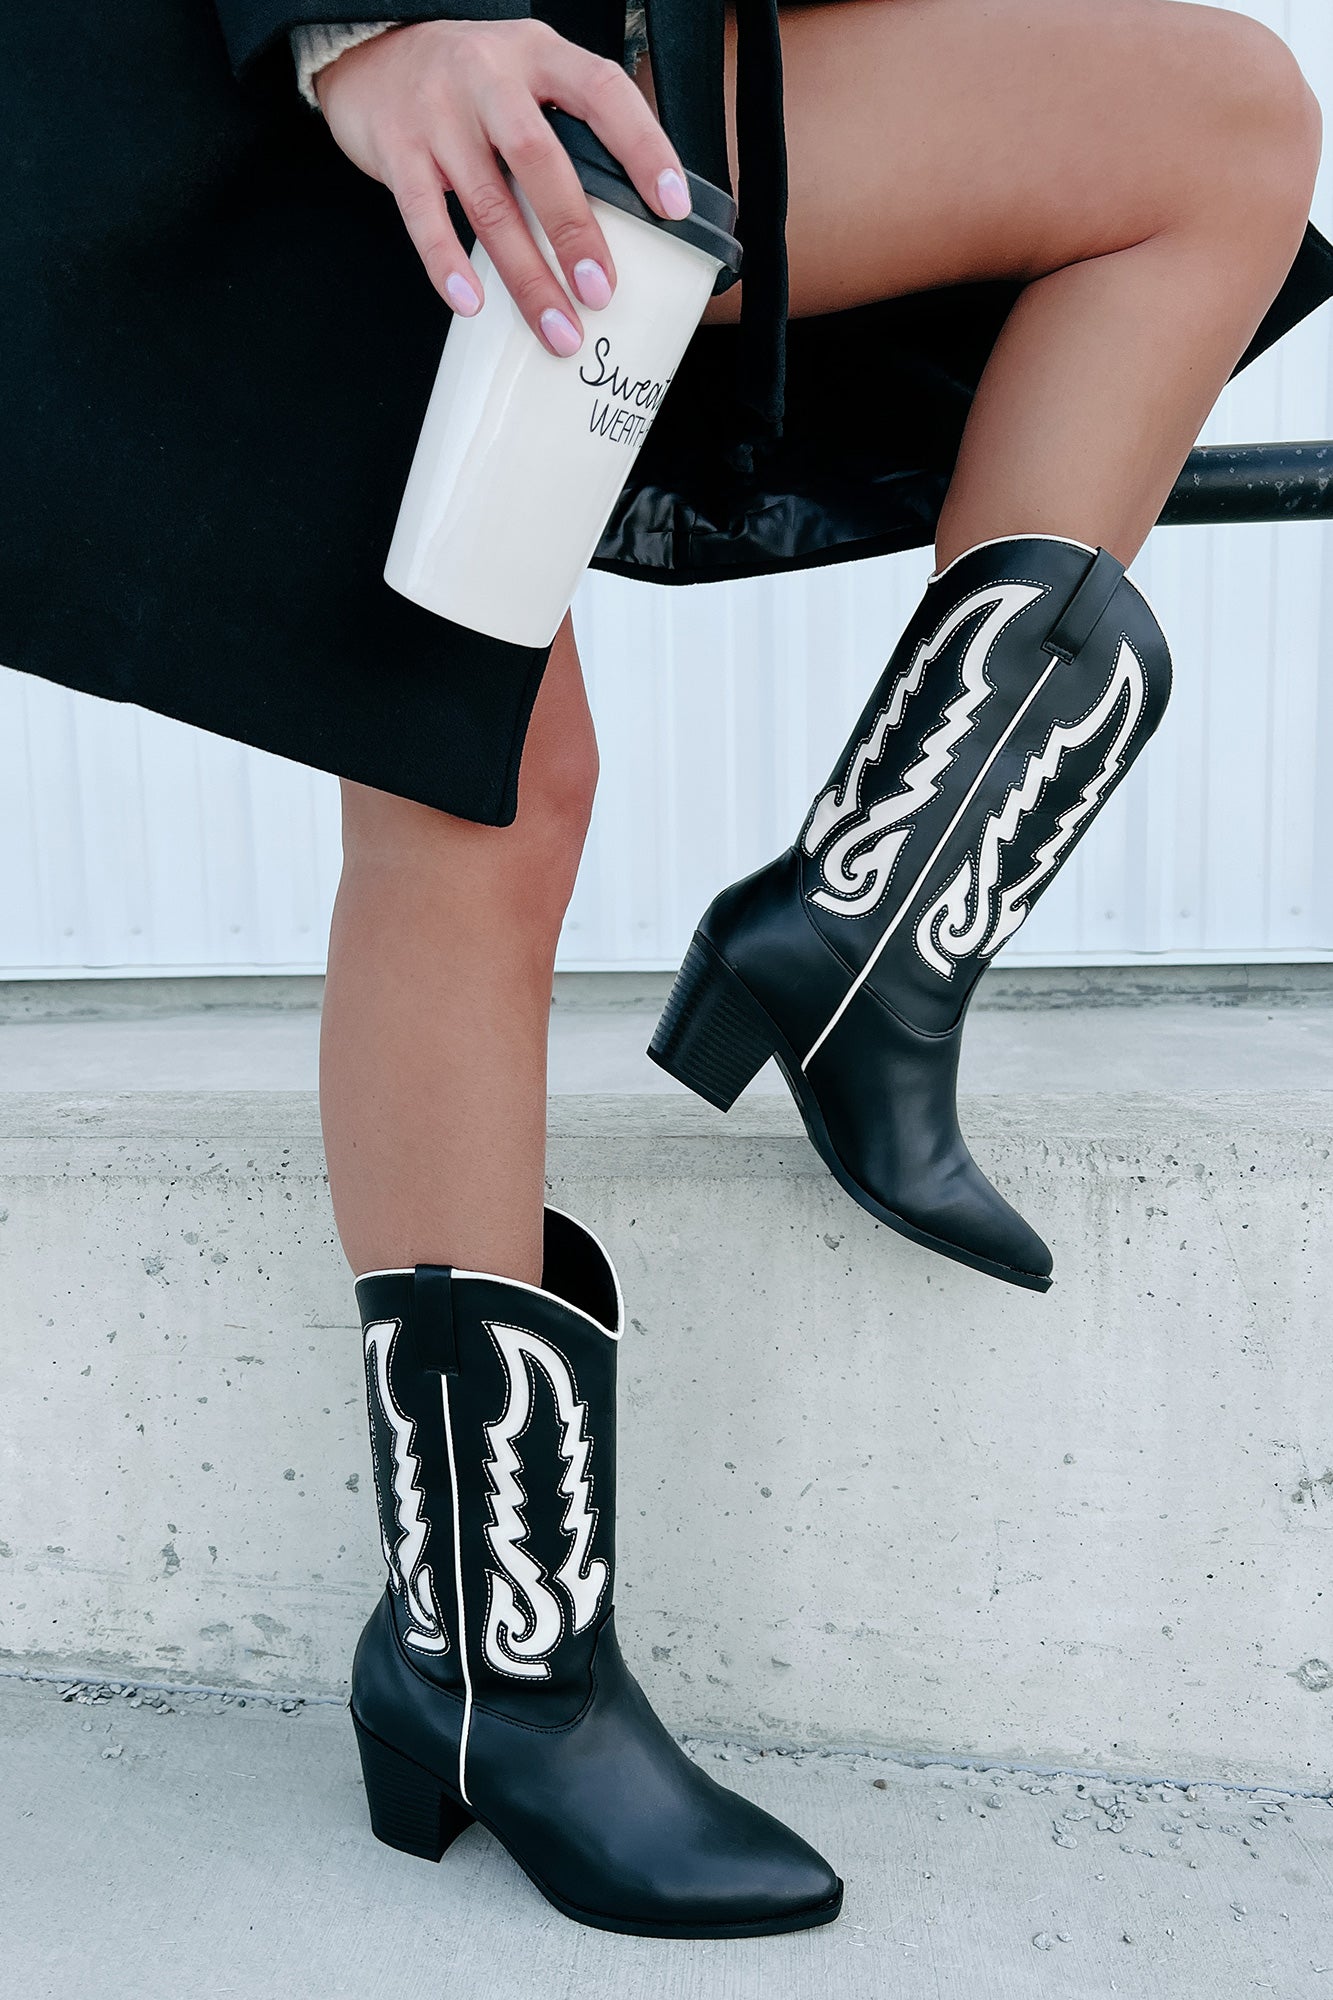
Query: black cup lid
pixel 710 224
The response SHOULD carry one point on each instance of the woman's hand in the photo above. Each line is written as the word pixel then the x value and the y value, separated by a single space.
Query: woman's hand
pixel 440 105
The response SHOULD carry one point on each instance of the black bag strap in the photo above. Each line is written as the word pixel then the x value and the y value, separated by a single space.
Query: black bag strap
pixel 686 39
pixel 761 221
pixel 686 44
pixel 598 25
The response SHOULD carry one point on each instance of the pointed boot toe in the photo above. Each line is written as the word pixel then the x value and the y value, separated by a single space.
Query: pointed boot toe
pixel 771 1882
pixel 786 1880
pixel 889 1131
pixel 970 1221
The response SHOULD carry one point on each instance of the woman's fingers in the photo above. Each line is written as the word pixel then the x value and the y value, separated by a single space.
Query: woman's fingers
pixel 459 105
pixel 603 94
pixel 543 169
pixel 419 193
pixel 490 207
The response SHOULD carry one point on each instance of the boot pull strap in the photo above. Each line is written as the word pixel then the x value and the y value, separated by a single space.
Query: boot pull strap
pixel 433 1337
pixel 1073 628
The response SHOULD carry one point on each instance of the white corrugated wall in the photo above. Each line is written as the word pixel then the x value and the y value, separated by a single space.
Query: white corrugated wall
pixel 132 844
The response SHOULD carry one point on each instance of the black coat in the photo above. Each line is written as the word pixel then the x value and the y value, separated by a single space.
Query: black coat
pixel 217 346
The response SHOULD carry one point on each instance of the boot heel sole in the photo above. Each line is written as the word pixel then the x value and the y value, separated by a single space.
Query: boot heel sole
pixel 409 1808
pixel 713 1036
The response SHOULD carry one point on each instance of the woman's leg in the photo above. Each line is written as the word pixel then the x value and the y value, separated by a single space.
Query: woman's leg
pixel 434 1099
pixel 433 1048
pixel 1145 168
pixel 1146 165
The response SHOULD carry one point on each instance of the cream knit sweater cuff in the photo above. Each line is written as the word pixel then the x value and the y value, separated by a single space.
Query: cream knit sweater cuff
pixel 313 49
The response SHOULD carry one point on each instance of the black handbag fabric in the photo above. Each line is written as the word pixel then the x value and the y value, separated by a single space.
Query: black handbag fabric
pixel 876 400
pixel 218 345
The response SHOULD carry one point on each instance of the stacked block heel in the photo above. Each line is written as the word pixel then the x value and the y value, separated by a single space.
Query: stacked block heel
pixel 409 1809
pixel 713 1036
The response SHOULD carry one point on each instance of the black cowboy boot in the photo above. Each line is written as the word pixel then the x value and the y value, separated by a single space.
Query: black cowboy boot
pixel 488 1684
pixel 1030 677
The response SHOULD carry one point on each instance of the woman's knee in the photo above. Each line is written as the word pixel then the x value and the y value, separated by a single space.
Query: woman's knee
pixel 522 874
pixel 557 777
pixel 1262 121
pixel 555 800
pixel 557 783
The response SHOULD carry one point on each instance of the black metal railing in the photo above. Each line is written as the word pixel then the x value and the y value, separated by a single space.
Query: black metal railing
pixel 1253 482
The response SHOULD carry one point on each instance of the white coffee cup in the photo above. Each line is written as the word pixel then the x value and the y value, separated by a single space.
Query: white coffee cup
pixel 523 453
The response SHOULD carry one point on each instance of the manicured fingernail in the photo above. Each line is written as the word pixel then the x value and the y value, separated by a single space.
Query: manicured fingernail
pixel 592 284
pixel 561 334
pixel 461 295
pixel 673 194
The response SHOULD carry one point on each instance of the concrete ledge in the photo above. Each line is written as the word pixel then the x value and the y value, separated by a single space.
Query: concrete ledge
pixel 150 997
pixel 868 1498
pixel 1005 988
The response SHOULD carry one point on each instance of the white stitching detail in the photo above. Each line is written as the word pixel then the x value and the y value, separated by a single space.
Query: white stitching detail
pixel 858 864
pixel 1068 541
pixel 493 1278
pixel 466 1728
pixel 995 542
pixel 410 1575
pixel 912 894
pixel 1134 685
pixel 946 933
pixel 583 1579
pixel 517 1285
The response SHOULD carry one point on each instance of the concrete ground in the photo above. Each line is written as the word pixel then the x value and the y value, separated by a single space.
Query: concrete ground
pixel 195 1845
